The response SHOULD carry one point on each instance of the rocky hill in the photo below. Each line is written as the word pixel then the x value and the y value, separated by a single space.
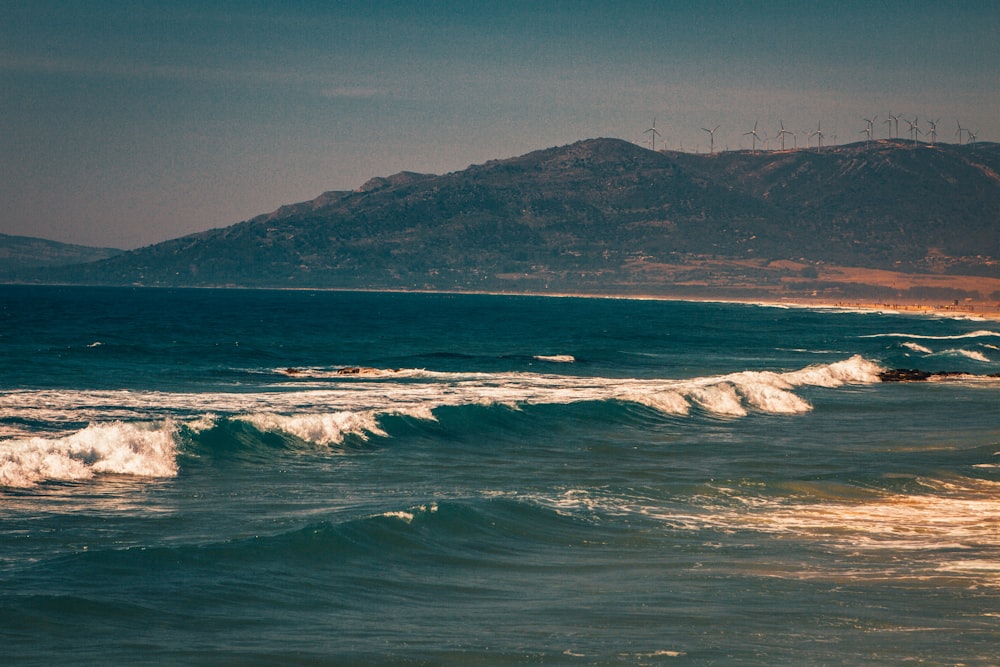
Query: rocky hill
pixel 24 252
pixel 607 216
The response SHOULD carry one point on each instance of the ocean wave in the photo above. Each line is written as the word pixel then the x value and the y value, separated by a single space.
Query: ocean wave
pixel 926 529
pixel 424 391
pixel 120 420
pixel 974 355
pixel 556 358
pixel 917 347
pixel 141 450
pixel 345 372
pixel 321 429
pixel 981 333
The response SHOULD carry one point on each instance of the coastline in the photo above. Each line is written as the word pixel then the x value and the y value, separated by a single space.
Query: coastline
pixel 972 310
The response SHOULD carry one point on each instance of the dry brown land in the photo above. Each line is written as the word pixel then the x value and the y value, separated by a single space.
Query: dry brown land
pixel 791 282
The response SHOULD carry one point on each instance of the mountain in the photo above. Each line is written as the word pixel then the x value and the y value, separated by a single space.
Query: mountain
pixel 24 252
pixel 607 216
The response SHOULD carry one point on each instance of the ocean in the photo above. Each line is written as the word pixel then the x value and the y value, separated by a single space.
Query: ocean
pixel 215 477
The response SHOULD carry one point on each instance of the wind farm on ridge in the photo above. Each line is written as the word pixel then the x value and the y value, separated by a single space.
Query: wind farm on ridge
pixel 756 138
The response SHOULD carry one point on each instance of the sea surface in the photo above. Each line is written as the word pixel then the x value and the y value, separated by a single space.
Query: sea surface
pixel 215 477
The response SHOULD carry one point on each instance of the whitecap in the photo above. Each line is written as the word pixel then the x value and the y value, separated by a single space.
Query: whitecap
pixel 917 347
pixel 556 358
pixel 981 333
pixel 975 355
pixel 325 415
pixel 855 370
pixel 668 402
pixel 720 399
pixel 321 429
pixel 142 450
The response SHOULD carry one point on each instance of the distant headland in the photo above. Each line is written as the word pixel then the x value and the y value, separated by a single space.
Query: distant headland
pixel 894 222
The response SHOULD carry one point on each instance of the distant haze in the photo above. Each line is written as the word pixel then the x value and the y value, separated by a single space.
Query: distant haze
pixel 124 124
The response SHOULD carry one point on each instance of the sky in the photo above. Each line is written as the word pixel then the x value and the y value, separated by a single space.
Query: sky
pixel 129 122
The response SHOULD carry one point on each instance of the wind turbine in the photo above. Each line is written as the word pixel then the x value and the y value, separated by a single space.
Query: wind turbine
pixel 652 134
pixel 782 132
pixel 914 130
pixel 711 138
pixel 871 126
pixel 933 132
pixel 867 131
pixel 893 119
pixel 818 133
pixel 959 132
pixel 972 137
pixel 753 136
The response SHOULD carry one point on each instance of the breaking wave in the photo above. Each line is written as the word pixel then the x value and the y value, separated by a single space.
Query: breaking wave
pixel 982 333
pixel 141 450
pixel 974 355
pixel 136 433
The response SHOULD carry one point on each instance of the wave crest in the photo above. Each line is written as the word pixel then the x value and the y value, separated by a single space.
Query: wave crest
pixel 142 450
pixel 321 429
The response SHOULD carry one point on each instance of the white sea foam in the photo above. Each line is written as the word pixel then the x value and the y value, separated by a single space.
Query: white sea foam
pixel 856 370
pixel 772 398
pixel 556 358
pixel 975 355
pixel 720 399
pixel 925 532
pixel 321 429
pixel 981 333
pixel 346 372
pixel 917 347
pixel 324 415
pixel 119 439
pixel 879 535
pixel 141 450
pixel 668 402
pixel 407 516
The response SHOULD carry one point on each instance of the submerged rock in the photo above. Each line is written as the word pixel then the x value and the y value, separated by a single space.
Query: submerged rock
pixel 903 375
pixel 364 370
pixel 913 375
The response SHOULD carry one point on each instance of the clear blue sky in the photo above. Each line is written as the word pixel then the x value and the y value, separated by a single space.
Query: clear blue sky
pixel 126 123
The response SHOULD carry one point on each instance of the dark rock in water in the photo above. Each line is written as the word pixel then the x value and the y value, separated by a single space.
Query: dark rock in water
pixel 903 375
pixel 354 370
pixel 912 375
pixel 363 370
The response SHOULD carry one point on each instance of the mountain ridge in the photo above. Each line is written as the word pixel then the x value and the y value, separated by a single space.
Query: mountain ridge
pixel 607 216
pixel 26 252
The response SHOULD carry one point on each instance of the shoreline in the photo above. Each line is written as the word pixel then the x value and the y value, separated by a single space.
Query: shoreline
pixel 977 310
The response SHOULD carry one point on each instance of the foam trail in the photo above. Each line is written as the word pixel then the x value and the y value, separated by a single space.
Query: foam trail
pixel 719 398
pixel 917 347
pixel 772 397
pixel 324 415
pixel 668 402
pixel 126 449
pixel 556 358
pixel 321 429
pixel 968 354
pixel 982 333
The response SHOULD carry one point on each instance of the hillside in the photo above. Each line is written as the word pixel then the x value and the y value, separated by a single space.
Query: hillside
pixel 607 216
pixel 24 252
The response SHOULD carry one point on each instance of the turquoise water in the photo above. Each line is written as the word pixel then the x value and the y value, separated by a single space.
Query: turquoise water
pixel 189 478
